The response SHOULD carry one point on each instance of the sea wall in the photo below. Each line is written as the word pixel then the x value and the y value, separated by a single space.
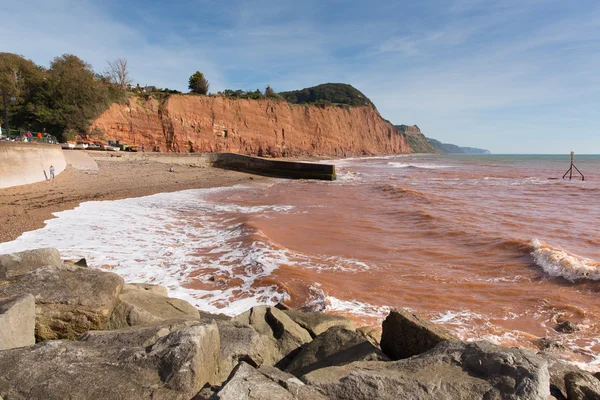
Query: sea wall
pixel 188 123
pixel 24 163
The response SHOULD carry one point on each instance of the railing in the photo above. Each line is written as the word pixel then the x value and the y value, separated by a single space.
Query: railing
pixel 15 135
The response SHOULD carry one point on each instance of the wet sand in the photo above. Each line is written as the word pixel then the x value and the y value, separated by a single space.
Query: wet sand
pixel 25 208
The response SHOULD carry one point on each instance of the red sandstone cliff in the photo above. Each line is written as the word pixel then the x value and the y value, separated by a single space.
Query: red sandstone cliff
pixel 184 123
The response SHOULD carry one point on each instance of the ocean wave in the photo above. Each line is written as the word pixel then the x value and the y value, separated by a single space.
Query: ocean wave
pixel 558 263
pixel 421 166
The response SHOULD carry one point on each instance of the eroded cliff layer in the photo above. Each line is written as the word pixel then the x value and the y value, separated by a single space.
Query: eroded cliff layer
pixel 185 123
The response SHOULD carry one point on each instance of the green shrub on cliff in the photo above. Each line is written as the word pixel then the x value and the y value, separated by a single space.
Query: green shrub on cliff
pixel 335 93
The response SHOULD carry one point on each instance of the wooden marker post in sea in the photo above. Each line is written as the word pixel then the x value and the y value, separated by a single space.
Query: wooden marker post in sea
pixel 570 170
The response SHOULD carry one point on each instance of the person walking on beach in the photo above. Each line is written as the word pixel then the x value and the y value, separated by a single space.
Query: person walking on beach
pixel 51 173
pixel 143 148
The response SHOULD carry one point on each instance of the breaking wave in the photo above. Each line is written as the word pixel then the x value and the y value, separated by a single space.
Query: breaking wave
pixel 558 263
pixel 422 166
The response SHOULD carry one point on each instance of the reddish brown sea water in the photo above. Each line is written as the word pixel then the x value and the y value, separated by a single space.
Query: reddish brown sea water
pixel 492 247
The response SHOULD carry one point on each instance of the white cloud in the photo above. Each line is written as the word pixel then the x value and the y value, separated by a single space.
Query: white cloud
pixel 462 71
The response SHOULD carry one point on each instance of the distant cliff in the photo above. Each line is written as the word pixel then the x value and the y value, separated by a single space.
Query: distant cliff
pixel 422 144
pixel 417 141
pixel 190 123
pixel 447 148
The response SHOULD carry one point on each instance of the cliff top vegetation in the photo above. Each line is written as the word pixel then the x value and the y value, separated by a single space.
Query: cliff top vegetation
pixel 328 94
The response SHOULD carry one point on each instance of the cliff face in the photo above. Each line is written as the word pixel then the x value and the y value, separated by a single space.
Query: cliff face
pixel 417 141
pixel 255 127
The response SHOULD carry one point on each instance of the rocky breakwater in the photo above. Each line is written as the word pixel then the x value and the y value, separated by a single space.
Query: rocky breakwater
pixel 72 332
pixel 189 123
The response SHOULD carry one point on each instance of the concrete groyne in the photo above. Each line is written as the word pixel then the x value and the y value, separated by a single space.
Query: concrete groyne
pixel 24 163
pixel 276 168
pixel 254 165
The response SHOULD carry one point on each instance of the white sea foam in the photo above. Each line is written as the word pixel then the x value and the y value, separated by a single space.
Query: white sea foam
pixel 165 238
pixel 559 263
pixel 422 166
pixel 355 307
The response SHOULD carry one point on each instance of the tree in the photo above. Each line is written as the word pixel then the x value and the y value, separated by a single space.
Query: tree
pixel 271 94
pixel 73 95
pixel 198 83
pixel 19 79
pixel 118 73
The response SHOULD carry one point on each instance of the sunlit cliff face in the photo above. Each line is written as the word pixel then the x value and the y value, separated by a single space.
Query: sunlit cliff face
pixel 256 127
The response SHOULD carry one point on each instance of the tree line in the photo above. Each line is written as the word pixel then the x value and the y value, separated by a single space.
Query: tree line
pixel 62 99
pixel 66 97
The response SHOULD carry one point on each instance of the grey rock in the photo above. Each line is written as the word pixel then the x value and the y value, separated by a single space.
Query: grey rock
pixel 210 316
pixel 336 346
pixel 547 344
pixel 566 327
pixel 26 261
pixel 246 383
pixel 582 386
pixel 156 289
pixel 452 370
pixel 139 306
pixel 558 370
pixel 405 334
pixel 17 322
pixel 266 383
pixel 371 333
pixel 281 336
pixel 69 300
pixel 134 336
pixel 176 366
pixel 239 342
pixel 318 322
pixel 292 384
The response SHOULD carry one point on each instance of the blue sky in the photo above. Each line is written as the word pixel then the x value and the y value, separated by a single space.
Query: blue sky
pixel 510 76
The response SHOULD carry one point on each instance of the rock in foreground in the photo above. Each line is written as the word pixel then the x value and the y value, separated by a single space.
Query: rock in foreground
pixel 452 370
pixel 148 304
pixel 26 261
pixel 175 366
pixel 336 346
pixel 17 322
pixel 69 300
pixel 405 334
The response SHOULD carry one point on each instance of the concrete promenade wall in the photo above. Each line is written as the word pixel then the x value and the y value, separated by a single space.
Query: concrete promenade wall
pixel 24 163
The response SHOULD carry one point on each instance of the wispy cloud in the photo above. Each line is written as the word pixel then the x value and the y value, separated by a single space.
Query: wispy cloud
pixel 463 70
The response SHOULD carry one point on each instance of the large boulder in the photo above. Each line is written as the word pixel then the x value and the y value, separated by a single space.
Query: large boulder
pixel 246 383
pixel 146 305
pixel 560 386
pixel 372 334
pixel 582 386
pixel 266 383
pixel 336 346
pixel 239 342
pixel 69 300
pixel 175 366
pixel 135 336
pixel 405 334
pixel 318 322
pixel 17 322
pixel 148 287
pixel 452 370
pixel 282 337
pixel 26 261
